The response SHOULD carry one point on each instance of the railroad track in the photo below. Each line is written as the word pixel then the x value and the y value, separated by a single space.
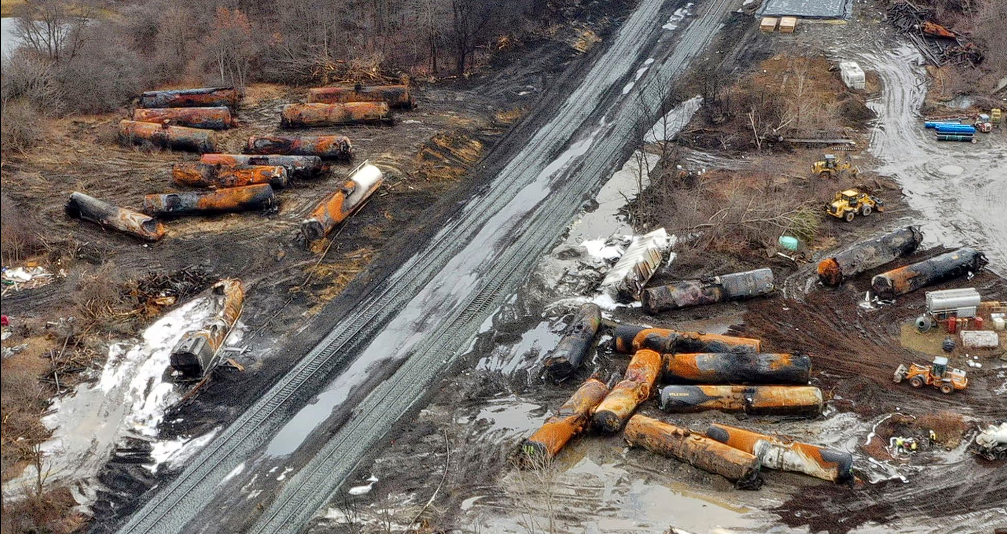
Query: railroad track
pixel 459 279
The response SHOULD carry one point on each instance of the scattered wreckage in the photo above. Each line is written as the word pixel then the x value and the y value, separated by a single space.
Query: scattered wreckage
pixel 396 96
pixel 708 290
pixel 576 342
pixel 341 203
pixel 196 353
pixel 946 266
pixel 991 442
pixel 137 224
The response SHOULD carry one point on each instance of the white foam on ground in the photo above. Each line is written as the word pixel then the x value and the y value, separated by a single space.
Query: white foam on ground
pixel 175 452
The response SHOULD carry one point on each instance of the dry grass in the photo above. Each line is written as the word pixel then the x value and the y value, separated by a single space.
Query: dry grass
pixel 18 237
pixel 50 512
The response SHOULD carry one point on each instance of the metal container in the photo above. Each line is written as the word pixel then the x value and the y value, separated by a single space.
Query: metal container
pixel 626 279
pixel 123 220
pixel 869 254
pixel 299 166
pixel 956 138
pixel 708 291
pixel 707 454
pixel 575 343
pixel 960 302
pixel 737 368
pixel 933 124
pixel 629 339
pixel 338 205
pixel 932 271
pixel 776 452
pixel 568 421
pixel 173 137
pixel 218 118
pixel 323 146
pixel 396 96
pixel 955 128
pixel 196 352
pixel 635 387
pixel 196 174
pixel 316 115
pixel 245 198
pixel 187 98
pixel 761 400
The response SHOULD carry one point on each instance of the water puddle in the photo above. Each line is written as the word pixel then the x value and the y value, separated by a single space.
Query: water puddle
pixel 677 17
pixel 527 351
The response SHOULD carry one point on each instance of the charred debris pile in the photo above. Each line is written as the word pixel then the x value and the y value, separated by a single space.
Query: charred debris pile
pixel 938 44
pixel 687 372
pixel 187 120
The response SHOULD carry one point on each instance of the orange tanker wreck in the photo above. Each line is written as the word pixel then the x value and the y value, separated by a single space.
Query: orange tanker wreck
pixel 568 421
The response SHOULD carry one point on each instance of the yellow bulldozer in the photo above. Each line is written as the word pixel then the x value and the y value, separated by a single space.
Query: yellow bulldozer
pixel 937 375
pixel 830 167
pixel 848 204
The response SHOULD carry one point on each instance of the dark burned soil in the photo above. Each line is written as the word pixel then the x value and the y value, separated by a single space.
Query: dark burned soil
pixel 426 156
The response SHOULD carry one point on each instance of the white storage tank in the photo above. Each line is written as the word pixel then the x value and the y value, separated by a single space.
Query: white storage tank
pixel 853 75
pixel 961 302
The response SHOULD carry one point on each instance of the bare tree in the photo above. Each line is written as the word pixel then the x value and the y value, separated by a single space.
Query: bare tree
pixel 468 20
pixel 231 46
pixel 47 28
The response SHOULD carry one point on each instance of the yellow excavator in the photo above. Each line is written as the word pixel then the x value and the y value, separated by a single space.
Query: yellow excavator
pixel 848 204
pixel 830 167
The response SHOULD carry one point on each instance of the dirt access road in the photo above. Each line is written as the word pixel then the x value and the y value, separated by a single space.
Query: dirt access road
pixel 418 319
pixel 961 188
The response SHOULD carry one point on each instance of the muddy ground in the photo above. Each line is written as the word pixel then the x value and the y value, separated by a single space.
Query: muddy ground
pixel 451 467
pixel 450 464
pixel 425 156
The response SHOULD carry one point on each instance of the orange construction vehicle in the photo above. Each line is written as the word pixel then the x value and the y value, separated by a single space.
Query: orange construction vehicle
pixel 937 375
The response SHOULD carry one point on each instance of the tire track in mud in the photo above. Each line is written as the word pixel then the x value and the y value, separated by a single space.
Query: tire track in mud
pixel 960 188
pixel 318 481
pixel 171 509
